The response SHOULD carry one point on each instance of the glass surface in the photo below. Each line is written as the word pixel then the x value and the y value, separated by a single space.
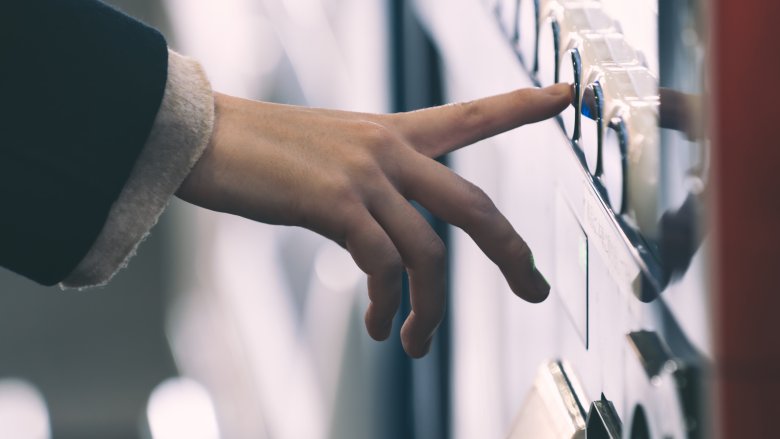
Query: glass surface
pixel 684 145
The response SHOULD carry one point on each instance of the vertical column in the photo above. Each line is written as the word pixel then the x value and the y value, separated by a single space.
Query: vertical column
pixel 745 124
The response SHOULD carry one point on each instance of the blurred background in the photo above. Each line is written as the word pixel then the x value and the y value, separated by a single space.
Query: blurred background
pixel 221 327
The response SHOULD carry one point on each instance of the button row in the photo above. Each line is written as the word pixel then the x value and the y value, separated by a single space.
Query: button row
pixel 613 119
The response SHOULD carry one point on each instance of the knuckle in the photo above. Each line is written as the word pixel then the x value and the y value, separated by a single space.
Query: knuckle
pixel 480 206
pixel 518 250
pixel 364 168
pixel 434 254
pixel 344 192
pixel 386 271
pixel 386 302
pixel 386 262
pixel 390 263
pixel 470 111
pixel 375 135
pixel 432 311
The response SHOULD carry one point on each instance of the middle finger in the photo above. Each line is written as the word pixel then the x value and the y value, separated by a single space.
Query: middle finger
pixel 424 256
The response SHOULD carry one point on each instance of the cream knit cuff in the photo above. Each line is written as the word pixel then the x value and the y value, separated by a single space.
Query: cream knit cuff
pixel 180 134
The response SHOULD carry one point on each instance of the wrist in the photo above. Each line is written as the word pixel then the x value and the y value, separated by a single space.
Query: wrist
pixel 205 185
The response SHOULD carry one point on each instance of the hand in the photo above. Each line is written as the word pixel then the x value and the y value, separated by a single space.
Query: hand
pixel 349 176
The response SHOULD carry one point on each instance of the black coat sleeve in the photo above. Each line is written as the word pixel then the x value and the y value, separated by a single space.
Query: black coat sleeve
pixel 80 86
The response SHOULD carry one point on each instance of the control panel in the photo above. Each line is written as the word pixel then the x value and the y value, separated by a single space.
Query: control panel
pixel 640 143
pixel 622 187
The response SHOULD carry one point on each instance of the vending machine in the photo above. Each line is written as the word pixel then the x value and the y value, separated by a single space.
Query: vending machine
pixel 611 197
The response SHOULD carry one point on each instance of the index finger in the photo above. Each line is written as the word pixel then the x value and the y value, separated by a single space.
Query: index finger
pixel 438 130
pixel 460 203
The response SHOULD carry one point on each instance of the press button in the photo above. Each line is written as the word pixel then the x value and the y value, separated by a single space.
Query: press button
pixel 591 124
pixel 613 160
pixel 570 73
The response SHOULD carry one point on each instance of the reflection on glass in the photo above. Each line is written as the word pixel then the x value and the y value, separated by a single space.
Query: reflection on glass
pixel 684 144
pixel 682 228
pixel 681 112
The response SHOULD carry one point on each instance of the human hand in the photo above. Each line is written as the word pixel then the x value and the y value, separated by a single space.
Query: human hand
pixel 349 176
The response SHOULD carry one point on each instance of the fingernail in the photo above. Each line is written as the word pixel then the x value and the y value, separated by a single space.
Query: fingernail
pixel 541 285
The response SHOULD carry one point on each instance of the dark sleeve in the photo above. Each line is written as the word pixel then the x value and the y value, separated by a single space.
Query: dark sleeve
pixel 80 85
